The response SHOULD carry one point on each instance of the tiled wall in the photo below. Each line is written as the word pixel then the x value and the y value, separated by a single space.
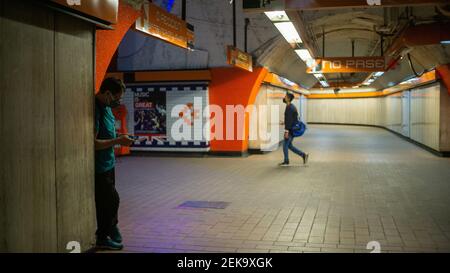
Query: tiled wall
pixel 270 96
pixel 425 115
pixel 414 113
pixel 347 111
pixel 393 114
pixel 177 95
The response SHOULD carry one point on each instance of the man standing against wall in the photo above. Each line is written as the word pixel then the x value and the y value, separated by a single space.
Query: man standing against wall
pixel 290 118
pixel 106 197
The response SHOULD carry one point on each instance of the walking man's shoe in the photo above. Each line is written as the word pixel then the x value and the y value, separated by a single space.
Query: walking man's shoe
pixel 283 164
pixel 115 235
pixel 108 244
pixel 305 158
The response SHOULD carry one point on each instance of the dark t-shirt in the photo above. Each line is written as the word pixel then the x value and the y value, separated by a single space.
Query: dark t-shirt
pixel 106 129
pixel 290 117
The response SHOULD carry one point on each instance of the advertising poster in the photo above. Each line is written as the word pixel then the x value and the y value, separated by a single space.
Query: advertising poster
pixel 150 114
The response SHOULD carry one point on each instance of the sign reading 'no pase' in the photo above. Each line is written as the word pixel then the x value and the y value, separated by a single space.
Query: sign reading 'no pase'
pixel 347 65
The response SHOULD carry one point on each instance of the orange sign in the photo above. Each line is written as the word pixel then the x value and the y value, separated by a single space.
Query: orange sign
pixel 157 22
pixel 347 65
pixel 238 58
pixel 104 10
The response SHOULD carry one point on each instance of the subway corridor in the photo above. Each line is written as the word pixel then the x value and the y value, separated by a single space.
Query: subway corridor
pixel 361 184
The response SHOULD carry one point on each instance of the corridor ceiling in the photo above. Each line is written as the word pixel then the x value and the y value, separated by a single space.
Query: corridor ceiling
pixel 365 29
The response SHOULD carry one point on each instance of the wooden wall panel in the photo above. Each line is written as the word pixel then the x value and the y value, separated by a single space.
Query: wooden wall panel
pixel 46 122
pixel 74 104
pixel 444 137
pixel 27 128
pixel 2 176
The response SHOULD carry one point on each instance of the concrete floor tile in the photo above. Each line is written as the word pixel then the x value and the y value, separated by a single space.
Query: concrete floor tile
pixel 361 184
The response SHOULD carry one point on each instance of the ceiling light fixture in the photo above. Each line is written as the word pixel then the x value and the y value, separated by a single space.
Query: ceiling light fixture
pixel 324 83
pixel 289 32
pixel 277 16
pixel 304 54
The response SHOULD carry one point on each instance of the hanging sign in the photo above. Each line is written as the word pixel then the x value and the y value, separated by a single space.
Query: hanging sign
pixel 239 58
pixel 159 23
pixel 347 65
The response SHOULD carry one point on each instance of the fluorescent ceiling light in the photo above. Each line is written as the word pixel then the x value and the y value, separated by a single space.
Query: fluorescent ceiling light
pixel 310 63
pixel 378 74
pixel 319 76
pixel 289 32
pixel 304 54
pixel 286 81
pixel 324 84
pixel 277 16
pixel 447 42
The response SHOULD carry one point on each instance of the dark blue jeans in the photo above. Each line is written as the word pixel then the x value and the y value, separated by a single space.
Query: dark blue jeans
pixel 287 145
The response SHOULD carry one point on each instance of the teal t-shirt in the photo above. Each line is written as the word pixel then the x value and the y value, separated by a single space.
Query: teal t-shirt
pixel 106 129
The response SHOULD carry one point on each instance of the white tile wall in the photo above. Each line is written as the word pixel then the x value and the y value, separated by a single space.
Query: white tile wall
pixel 183 97
pixel 423 119
pixel 175 95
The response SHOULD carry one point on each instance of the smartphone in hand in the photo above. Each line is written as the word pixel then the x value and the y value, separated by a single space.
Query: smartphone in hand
pixel 133 137
pixel 137 138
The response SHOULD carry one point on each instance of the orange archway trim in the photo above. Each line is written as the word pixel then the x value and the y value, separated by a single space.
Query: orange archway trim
pixel 107 41
pixel 233 86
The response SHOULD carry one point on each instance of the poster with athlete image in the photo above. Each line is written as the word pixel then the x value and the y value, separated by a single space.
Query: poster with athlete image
pixel 150 113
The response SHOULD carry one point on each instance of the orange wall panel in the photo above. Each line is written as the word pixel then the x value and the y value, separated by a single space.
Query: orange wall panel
pixel 107 41
pixel 444 73
pixel 233 86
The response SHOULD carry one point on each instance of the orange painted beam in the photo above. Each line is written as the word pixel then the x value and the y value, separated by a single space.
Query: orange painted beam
pixel 347 95
pixel 443 72
pixel 425 78
pixel 117 75
pixel 107 41
pixel 233 86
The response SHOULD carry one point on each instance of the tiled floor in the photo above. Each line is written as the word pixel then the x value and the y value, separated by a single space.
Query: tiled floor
pixel 361 184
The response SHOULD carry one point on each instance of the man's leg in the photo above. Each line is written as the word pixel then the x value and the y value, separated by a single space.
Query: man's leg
pixel 115 202
pixel 294 149
pixel 286 150
pixel 107 204
pixel 115 233
pixel 101 205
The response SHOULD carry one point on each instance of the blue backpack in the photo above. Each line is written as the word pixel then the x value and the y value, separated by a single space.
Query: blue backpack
pixel 299 129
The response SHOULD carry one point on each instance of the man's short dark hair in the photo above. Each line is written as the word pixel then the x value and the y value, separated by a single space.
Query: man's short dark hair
pixel 115 86
pixel 290 96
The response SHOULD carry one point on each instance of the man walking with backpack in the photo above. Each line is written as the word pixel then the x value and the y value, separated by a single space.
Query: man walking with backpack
pixel 290 119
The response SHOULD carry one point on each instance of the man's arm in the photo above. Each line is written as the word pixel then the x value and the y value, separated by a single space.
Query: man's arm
pixel 102 144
